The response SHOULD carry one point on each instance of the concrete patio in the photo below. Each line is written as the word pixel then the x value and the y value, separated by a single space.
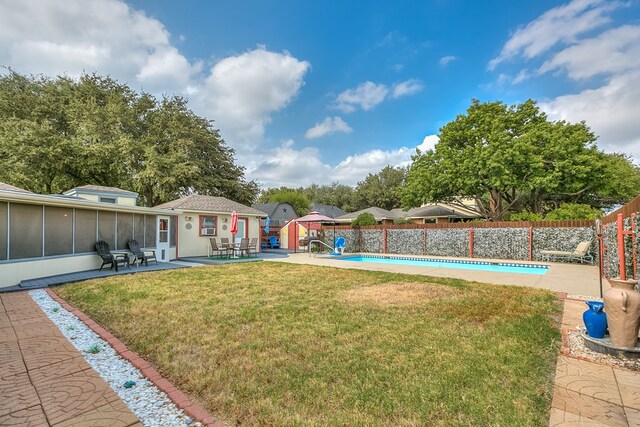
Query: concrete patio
pixel 574 279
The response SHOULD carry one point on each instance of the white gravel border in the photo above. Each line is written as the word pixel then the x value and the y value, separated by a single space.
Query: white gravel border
pixel 145 400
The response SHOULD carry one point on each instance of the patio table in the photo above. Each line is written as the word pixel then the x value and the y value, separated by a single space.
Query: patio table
pixel 124 254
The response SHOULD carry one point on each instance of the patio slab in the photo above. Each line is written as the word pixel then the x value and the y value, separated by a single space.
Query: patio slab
pixel 576 279
pixel 590 393
pixel 44 380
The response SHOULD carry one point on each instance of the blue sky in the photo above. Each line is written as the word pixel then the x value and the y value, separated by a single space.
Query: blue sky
pixel 333 90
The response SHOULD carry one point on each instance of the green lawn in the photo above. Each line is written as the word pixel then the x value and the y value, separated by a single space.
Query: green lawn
pixel 280 344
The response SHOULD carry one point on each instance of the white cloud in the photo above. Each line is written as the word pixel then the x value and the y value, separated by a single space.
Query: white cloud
pixel 328 126
pixel 366 96
pixel 407 87
pixel 243 91
pixel 428 143
pixel 611 111
pixel 397 67
pixel 611 52
pixel 562 24
pixel 52 38
pixel 288 166
pixel 446 60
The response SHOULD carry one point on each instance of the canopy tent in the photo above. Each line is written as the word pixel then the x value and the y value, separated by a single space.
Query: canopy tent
pixel 315 217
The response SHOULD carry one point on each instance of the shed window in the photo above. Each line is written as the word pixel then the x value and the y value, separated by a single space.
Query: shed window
pixel 25 231
pixel 108 199
pixel 208 225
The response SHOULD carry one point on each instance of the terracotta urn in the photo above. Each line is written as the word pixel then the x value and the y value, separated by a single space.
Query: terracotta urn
pixel 622 306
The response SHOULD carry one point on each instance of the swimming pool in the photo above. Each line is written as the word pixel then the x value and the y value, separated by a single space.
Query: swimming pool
pixel 499 267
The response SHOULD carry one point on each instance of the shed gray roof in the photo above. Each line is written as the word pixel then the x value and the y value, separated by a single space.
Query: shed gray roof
pixel 196 202
pixel 100 189
pixel 271 208
pixel 327 210
pixel 8 187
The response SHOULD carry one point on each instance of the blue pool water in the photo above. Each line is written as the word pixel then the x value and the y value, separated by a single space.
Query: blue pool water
pixel 501 267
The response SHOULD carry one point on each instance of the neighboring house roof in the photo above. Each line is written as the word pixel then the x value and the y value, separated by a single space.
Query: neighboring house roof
pixel 327 210
pixel 378 213
pixel 427 211
pixel 281 208
pixel 200 203
pixel 9 187
pixel 92 189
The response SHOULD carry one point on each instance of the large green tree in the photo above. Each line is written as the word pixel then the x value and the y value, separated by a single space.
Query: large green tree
pixel 381 189
pixel 335 194
pixel 509 159
pixel 57 133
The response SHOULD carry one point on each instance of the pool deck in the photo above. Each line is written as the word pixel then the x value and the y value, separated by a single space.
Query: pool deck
pixel 574 279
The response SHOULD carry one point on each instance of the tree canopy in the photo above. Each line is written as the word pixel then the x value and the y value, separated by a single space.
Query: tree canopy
pixel 381 189
pixel 58 133
pixel 513 158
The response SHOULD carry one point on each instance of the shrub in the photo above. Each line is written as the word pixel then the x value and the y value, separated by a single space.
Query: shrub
pixel 568 211
pixel 525 216
pixel 364 218
pixel 400 221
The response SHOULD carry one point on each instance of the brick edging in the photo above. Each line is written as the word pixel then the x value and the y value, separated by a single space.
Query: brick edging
pixel 181 400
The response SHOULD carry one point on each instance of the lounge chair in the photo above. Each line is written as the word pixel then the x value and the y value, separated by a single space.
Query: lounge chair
pixel 216 250
pixel 141 255
pixel 273 242
pixel 114 260
pixel 581 253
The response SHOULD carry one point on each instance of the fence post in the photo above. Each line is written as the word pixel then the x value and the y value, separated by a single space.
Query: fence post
pixel 530 243
pixel 384 240
pixel 633 244
pixel 471 242
pixel 424 250
pixel 623 264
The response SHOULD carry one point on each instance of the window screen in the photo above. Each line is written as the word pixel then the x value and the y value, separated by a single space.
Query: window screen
pixel 86 227
pixel 125 229
pixel 173 231
pixel 150 231
pixel 3 231
pixel 25 231
pixel 58 231
pixel 107 228
pixel 138 228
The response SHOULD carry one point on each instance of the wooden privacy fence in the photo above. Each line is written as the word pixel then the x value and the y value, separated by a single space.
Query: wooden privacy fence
pixel 516 239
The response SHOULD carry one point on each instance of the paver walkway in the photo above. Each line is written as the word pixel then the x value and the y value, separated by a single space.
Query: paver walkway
pixel 44 380
pixel 590 393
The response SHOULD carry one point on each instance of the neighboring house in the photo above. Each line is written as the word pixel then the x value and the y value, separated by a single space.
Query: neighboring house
pixel 383 216
pixel 99 193
pixel 44 235
pixel 327 210
pixel 427 214
pixel 204 217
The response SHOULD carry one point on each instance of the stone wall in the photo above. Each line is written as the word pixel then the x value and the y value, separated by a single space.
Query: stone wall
pixel 494 243
pixel 501 243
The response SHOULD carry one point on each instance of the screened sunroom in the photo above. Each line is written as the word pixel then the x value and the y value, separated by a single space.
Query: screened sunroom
pixel 47 235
